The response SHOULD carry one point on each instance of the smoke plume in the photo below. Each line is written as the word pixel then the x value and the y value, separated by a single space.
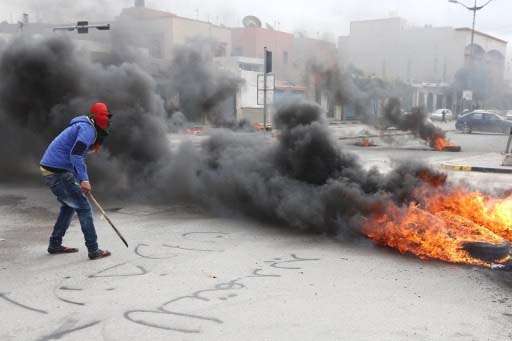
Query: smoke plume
pixel 416 122
pixel 303 179
pixel 44 82
pixel 201 86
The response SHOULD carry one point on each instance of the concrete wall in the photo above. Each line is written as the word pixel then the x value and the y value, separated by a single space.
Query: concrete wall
pixel 371 46
pixel 184 29
pixel 430 54
pixel 250 41
pixel 146 28
pixel 160 32
pixel 487 42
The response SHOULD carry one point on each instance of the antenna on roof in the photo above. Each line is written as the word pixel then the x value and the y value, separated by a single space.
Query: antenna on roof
pixel 251 21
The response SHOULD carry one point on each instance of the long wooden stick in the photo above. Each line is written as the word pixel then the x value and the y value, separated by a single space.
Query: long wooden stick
pixel 107 218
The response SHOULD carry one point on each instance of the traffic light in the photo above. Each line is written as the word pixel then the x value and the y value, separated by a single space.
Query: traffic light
pixel 82 27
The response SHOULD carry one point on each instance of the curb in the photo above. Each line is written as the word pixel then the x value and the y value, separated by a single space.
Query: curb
pixel 467 168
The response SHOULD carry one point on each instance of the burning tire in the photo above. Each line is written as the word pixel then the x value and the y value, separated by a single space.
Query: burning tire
pixel 454 149
pixel 486 251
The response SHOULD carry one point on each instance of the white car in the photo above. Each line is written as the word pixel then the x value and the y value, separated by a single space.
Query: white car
pixel 438 115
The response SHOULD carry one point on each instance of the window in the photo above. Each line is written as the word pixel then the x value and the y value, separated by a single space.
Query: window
pixel 477 116
pixel 492 117
pixel 285 57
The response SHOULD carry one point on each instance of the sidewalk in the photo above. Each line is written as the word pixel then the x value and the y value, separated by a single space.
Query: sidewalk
pixel 484 163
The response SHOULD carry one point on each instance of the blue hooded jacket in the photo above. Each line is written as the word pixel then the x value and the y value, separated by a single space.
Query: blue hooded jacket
pixel 68 150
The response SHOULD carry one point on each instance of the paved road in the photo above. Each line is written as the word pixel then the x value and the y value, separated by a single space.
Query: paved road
pixel 191 276
pixel 475 142
pixel 405 148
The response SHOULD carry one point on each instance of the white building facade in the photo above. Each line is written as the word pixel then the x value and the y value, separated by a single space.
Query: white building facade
pixel 392 49
pixel 426 57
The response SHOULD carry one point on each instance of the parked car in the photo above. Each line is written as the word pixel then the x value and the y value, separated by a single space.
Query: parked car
pixel 194 130
pixel 508 115
pixel 483 121
pixel 438 115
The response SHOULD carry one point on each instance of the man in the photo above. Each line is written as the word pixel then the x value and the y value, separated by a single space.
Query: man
pixel 65 172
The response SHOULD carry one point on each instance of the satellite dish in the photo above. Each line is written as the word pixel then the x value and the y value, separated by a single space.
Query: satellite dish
pixel 251 21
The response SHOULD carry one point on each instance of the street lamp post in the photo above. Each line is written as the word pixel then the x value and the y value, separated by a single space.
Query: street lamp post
pixel 474 9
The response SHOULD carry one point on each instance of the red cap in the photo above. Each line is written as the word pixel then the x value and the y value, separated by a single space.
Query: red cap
pixel 100 114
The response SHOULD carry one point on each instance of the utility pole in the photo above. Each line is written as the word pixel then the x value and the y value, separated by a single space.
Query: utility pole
pixel 471 52
pixel 267 57
pixel 473 9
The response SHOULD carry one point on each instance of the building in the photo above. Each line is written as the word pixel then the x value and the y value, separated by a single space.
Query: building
pixel 394 50
pixel 248 107
pixel 251 41
pixel 160 31
pixel 291 57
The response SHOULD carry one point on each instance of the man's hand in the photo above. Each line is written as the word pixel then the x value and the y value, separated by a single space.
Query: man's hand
pixel 95 149
pixel 85 186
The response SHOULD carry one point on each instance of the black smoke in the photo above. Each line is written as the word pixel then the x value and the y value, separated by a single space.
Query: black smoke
pixel 303 179
pixel 349 87
pixel 203 89
pixel 44 82
pixel 416 122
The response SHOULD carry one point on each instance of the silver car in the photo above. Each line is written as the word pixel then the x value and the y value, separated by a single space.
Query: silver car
pixel 438 115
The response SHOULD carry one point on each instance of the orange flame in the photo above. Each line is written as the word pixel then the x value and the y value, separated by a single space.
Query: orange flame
pixel 440 143
pixel 365 142
pixel 437 227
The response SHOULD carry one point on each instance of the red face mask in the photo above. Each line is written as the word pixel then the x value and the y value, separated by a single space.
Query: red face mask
pixel 100 114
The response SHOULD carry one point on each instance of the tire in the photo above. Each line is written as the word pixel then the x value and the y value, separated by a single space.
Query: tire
pixel 486 251
pixel 466 129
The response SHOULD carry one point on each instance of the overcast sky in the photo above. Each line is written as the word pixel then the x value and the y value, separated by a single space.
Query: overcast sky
pixel 316 17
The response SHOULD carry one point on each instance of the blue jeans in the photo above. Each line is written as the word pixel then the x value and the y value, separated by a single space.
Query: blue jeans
pixel 69 194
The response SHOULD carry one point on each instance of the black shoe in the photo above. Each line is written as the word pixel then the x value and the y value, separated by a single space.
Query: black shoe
pixel 99 254
pixel 61 249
